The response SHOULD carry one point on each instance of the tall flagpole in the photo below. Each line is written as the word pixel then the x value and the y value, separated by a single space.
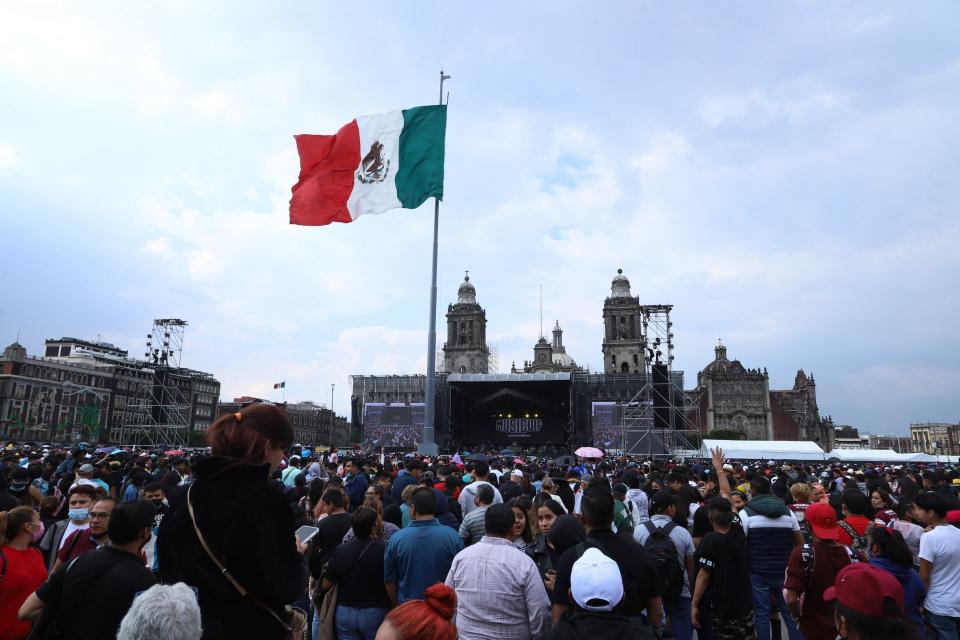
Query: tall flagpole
pixel 429 445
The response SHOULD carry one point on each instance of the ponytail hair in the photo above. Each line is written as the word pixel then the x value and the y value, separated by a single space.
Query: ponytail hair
pixel 892 546
pixel 427 619
pixel 12 521
pixel 894 625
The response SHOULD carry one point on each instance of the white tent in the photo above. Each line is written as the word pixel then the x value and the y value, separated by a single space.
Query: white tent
pixel 764 449
pixel 867 455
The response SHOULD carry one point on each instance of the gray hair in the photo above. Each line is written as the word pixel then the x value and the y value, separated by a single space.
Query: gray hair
pixel 163 612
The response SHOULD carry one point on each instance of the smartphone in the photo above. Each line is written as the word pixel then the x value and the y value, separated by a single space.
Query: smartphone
pixel 306 533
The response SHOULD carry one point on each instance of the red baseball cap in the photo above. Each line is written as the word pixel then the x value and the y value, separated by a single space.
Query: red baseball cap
pixel 863 587
pixel 822 518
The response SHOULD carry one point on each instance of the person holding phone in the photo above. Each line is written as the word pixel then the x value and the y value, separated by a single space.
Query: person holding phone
pixel 232 515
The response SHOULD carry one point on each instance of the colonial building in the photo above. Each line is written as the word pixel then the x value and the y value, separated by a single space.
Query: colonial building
pixel 85 390
pixel 936 438
pixel 549 357
pixel 732 397
pixel 623 329
pixel 465 350
pixel 900 444
pixel 50 401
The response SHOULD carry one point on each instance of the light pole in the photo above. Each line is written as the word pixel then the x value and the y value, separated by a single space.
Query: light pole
pixel 333 416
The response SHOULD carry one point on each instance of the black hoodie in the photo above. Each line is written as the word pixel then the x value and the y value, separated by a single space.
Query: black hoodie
pixel 249 527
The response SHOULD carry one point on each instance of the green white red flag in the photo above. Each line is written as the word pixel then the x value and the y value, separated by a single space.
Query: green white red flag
pixel 372 165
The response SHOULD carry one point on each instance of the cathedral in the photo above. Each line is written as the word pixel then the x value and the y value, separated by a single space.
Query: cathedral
pixel 731 397
pixel 637 343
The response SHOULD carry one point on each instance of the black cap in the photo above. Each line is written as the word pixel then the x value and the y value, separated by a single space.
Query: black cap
pixel 662 500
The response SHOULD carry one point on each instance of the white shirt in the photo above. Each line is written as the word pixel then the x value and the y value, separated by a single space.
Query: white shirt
pixel 941 547
pixel 71 527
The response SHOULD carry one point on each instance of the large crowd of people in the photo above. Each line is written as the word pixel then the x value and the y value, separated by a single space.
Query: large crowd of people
pixel 252 538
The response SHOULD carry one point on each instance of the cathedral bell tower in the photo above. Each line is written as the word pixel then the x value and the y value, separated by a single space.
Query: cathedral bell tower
pixel 465 350
pixel 622 329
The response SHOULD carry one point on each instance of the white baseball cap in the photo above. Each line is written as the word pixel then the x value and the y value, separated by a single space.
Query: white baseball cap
pixel 595 581
pixel 517 473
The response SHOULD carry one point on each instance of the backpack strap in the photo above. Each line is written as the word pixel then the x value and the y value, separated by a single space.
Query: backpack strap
pixel 667 528
pixel 650 526
pixel 73 543
pixel 857 539
pixel 807 558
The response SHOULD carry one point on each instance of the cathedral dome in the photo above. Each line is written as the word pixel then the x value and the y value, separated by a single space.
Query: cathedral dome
pixel 563 360
pixel 721 364
pixel 620 286
pixel 467 293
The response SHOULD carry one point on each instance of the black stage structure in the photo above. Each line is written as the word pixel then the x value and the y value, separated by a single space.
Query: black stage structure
pixel 643 413
pixel 520 410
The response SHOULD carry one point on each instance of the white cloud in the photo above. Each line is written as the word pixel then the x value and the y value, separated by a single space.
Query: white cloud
pixel 760 106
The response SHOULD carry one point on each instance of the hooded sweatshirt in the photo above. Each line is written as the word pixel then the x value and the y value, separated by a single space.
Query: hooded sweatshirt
pixel 641 502
pixel 588 625
pixel 769 526
pixel 914 593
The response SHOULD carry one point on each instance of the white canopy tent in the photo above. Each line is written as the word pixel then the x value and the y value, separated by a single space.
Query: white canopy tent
pixel 765 450
pixel 878 455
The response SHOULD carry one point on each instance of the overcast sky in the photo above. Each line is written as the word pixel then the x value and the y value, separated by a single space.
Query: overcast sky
pixel 784 174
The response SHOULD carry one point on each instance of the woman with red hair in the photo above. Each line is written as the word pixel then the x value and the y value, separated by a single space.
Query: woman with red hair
pixel 230 534
pixel 427 619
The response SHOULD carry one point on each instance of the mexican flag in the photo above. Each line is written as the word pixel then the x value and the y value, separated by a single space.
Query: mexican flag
pixel 373 164
pixel 280 385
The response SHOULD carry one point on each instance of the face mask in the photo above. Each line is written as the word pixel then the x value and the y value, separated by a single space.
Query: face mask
pixel 38 533
pixel 79 514
pixel 158 502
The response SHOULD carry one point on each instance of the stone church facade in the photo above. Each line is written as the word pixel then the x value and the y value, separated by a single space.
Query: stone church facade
pixel 732 397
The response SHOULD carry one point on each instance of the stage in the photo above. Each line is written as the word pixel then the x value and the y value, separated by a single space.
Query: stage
pixel 520 410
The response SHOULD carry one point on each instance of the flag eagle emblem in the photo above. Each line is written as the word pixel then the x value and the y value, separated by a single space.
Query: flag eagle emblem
pixel 374 168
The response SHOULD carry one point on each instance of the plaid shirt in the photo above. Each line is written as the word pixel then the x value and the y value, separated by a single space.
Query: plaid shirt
pixel 473 527
pixel 500 594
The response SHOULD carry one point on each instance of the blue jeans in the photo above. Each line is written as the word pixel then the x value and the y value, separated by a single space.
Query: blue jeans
pixel 678 611
pixel 946 628
pixel 358 624
pixel 763 588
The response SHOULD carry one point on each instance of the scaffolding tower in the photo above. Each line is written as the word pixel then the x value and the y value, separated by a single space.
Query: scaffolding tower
pixel 657 421
pixel 165 415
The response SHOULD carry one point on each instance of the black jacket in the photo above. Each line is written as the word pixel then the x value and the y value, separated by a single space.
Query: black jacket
pixel 249 527
pixel 589 625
